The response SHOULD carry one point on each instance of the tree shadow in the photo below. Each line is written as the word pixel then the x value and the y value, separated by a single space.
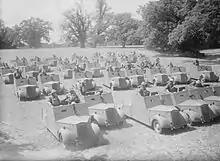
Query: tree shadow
pixel 117 127
pixel 168 131
pixel 210 56
pixel 102 141
pixel 11 151
pixel 179 131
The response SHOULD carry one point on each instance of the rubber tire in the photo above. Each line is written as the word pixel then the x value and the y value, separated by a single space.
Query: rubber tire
pixel 156 126
pixel 60 138
pixel 190 121
pixel 22 98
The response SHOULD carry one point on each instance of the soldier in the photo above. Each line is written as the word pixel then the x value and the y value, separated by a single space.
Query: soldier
pixel 18 73
pixel 110 69
pixel 199 82
pixel 171 65
pixel 43 72
pixel 77 68
pixel 157 63
pixel 71 97
pixel 170 86
pixel 82 88
pixel 129 65
pixel 54 99
pixel 143 90
pixel 196 62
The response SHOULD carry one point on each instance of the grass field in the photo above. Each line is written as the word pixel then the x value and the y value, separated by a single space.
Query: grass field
pixel 30 140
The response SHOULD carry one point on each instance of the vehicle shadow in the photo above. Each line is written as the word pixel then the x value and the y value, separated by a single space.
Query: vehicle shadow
pixel 179 131
pixel 102 141
pixel 168 131
pixel 117 127
pixel 10 150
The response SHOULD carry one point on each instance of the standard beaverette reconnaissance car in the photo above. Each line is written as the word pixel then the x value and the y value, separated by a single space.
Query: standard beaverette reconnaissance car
pixel 136 80
pixel 68 74
pixel 199 111
pixel 27 89
pixel 120 83
pixel 179 74
pixel 157 75
pixel 8 78
pixel 49 82
pixel 82 75
pixel 96 72
pixel 107 115
pixel 71 125
pixel 32 71
pixel 150 110
pixel 204 70
pixel 207 94
pixel 86 86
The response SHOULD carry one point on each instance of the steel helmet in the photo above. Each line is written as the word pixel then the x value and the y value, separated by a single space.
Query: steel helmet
pixel 53 91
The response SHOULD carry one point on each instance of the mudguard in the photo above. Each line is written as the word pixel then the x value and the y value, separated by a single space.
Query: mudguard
pixel 215 109
pixel 164 122
pixel 185 116
pixel 67 136
pixel 101 120
pixel 194 117
pixel 21 93
pixel 37 91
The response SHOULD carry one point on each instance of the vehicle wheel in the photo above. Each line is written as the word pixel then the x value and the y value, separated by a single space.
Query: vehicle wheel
pixel 22 98
pixel 190 121
pixel 156 126
pixel 60 138
pixel 184 126
pixel 107 125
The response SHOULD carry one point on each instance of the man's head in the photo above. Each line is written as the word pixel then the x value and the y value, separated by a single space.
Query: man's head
pixel 53 92
pixel 171 80
pixel 143 85
pixel 72 91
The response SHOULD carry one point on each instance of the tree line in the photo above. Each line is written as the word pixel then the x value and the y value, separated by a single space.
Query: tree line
pixel 184 25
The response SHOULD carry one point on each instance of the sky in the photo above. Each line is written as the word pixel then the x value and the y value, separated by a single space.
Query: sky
pixel 14 11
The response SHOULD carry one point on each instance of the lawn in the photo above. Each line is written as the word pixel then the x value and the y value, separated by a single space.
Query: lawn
pixel 30 140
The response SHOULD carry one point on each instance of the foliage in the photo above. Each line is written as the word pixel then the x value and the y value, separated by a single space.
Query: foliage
pixel 183 24
pixel 103 19
pixel 9 37
pixel 76 25
pixel 124 29
pixel 33 31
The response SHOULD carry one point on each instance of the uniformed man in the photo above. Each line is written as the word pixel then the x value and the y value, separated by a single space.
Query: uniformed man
pixel 170 86
pixel 110 69
pixel 17 73
pixel 54 99
pixel 82 88
pixel 196 62
pixel 129 66
pixel 72 97
pixel 143 90
pixel 43 72
pixel 171 65
pixel 199 82
pixel 157 63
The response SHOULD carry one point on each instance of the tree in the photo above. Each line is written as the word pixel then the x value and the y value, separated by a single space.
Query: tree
pixel 184 25
pixel 76 25
pixel 9 37
pixel 201 27
pixel 103 19
pixel 124 27
pixel 34 30
pixel 160 18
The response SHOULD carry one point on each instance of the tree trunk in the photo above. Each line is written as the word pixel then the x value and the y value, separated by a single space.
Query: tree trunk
pixel 95 44
pixel 82 43
pixel 123 45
